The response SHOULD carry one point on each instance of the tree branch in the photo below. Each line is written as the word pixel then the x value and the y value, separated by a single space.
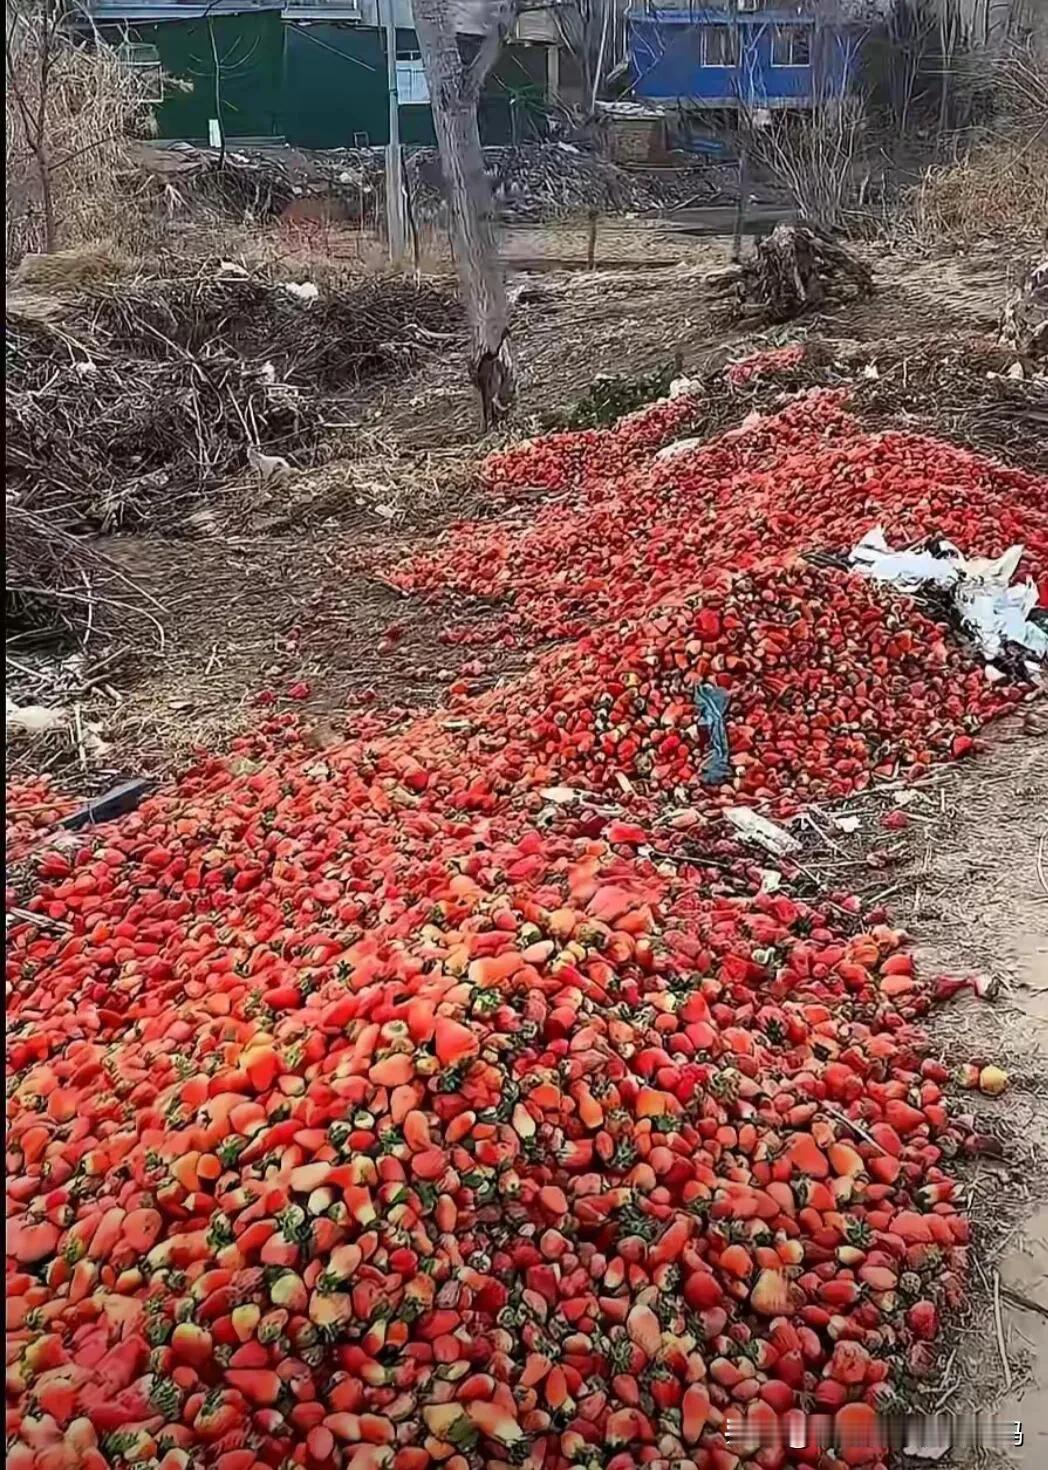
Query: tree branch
pixel 501 22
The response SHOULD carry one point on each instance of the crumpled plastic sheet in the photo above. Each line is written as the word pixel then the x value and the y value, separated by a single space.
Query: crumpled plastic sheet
pixel 991 607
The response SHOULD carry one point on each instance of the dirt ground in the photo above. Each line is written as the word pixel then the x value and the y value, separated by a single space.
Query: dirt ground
pixel 263 596
pixel 970 883
pixel 980 903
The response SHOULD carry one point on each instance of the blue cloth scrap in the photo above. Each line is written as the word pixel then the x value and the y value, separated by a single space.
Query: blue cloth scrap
pixel 711 703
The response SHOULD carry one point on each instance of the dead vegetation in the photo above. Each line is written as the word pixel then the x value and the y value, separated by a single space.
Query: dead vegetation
pixel 143 395
pixel 996 182
pixel 798 269
pixel 991 189
pixel 71 112
pixel 139 404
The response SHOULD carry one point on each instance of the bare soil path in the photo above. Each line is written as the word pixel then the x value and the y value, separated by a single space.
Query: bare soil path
pixel 980 903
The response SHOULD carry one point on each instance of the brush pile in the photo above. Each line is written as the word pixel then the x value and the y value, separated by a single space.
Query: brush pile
pixel 541 181
pixel 63 583
pixel 144 394
pixel 372 328
pixel 397 1106
pixel 129 405
pixel 100 438
pixel 532 182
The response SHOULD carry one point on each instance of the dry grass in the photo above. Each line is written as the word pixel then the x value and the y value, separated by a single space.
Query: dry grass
pixel 999 187
pixel 70 114
pixel 995 190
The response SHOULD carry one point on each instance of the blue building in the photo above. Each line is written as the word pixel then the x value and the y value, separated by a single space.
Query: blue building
pixel 717 58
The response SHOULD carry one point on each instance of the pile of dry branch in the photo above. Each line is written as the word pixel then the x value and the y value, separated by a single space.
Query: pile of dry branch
pixel 127 405
pixel 62 583
pixel 540 181
pixel 141 396
pixel 531 182
pixel 343 337
pixel 100 439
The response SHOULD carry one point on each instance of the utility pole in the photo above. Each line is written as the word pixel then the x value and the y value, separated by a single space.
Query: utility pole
pixel 741 102
pixel 394 163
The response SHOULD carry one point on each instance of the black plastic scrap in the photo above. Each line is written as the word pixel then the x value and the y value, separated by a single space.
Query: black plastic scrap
pixel 115 803
pixel 712 702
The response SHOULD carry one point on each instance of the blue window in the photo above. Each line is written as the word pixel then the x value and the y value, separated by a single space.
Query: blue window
pixel 791 46
pixel 719 46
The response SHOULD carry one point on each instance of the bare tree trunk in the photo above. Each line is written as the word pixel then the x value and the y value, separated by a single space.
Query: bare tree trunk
pixel 47 198
pixel 946 53
pixel 35 120
pixel 454 91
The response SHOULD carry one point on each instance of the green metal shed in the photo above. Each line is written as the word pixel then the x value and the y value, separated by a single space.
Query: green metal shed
pixel 266 72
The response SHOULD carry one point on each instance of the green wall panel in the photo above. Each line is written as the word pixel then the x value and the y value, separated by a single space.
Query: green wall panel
pixel 320 84
pixel 335 85
pixel 336 88
pixel 250 51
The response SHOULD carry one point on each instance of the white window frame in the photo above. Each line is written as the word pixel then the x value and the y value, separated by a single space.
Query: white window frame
pixel 412 88
pixel 780 33
pixel 142 59
pixel 708 29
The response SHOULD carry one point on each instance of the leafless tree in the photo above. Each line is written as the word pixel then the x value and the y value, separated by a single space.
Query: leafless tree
pixel 454 90
pixel 71 108
pixel 815 153
pixel 31 41
pixel 594 32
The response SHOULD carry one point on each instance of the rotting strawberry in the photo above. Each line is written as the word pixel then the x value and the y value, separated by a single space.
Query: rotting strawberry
pixel 398 1109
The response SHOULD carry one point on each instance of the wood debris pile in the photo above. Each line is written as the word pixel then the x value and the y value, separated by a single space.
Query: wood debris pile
pixel 130 404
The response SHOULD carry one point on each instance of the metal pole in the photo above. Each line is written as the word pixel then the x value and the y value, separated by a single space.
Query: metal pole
pixel 741 102
pixel 394 176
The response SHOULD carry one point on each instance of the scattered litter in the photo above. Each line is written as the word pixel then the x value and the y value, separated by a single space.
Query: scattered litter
pixel 754 828
pixel 305 291
pixel 685 387
pixel 560 795
pixel 985 987
pixel 270 468
pixel 873 558
pixel 771 880
pixel 846 824
pixel 712 702
pixel 114 803
pixel 992 610
pixel 680 446
pixel 1002 615
pixel 35 719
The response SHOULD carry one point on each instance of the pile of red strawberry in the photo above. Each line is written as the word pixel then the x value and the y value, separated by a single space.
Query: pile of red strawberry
pixel 370 1110
pixel 32 807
